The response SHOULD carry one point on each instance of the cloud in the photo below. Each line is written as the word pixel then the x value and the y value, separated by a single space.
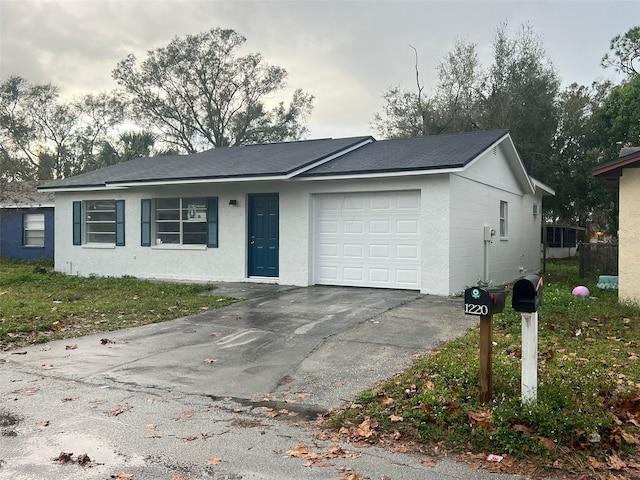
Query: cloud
pixel 345 53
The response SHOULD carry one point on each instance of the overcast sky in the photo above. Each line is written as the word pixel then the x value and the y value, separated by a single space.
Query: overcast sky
pixel 345 53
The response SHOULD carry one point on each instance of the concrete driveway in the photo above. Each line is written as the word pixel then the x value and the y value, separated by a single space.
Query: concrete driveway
pixel 304 350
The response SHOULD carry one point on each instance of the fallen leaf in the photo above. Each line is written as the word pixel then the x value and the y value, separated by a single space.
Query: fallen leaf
pixel 71 347
pixel 70 399
pixel 214 461
pixel 42 423
pixel 596 464
pixel 548 444
pixel 153 435
pixel 428 463
pixel 57 325
pixel 84 461
pixel 395 419
pixel 482 419
pixel 136 297
pixel 121 476
pixel 18 353
pixel 47 366
pixel 522 429
pixel 416 355
pixel 210 360
pixel 64 457
pixel 117 410
pixel 616 463
pixel 104 341
pixel 185 415
pixel 28 391
pixel 388 401
pixel 189 438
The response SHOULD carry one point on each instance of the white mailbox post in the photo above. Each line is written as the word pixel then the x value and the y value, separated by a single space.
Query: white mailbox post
pixel 527 297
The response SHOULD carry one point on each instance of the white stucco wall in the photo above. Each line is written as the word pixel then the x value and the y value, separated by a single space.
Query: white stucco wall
pixel 629 236
pixel 476 196
pixel 454 210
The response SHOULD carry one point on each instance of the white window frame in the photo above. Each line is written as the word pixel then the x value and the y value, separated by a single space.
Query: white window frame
pixel 33 226
pixel 99 215
pixel 504 219
pixel 175 224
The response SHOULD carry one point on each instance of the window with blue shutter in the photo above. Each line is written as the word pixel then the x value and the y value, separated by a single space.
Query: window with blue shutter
pixel 120 223
pixel 145 222
pixel 77 223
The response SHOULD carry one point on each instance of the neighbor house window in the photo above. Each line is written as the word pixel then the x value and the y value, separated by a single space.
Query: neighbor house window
pixel 33 230
pixel 504 226
pixel 102 221
pixel 180 221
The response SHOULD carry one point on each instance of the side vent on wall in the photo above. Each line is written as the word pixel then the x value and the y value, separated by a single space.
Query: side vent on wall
pixel 535 209
pixel 495 150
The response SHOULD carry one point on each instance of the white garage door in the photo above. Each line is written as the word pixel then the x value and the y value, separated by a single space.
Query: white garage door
pixel 368 239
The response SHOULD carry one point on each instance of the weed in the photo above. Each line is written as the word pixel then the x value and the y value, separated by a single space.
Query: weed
pixel 37 307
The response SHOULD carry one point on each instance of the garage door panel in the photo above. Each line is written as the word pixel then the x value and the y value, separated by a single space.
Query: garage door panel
pixel 353 227
pixel 370 239
pixel 409 227
pixel 380 227
pixel 351 250
pixel 407 252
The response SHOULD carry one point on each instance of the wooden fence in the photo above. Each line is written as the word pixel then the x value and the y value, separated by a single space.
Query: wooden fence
pixel 600 258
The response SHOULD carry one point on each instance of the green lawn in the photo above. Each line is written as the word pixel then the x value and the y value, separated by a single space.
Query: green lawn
pixel 586 417
pixel 37 304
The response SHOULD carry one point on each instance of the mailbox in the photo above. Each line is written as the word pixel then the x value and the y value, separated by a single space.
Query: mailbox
pixel 484 301
pixel 527 294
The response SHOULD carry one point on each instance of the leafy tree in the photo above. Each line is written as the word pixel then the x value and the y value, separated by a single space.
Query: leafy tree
pixel 452 107
pixel 616 123
pixel 580 199
pixel 518 91
pixel 44 137
pixel 625 52
pixel 198 93
pixel 522 89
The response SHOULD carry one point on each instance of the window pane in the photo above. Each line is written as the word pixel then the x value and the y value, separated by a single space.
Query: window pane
pixel 100 221
pixel 181 221
pixel 33 235
pixel 195 233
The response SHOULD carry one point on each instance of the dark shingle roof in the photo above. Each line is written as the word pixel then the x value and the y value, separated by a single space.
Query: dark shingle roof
pixel 275 160
pixel 433 152
pixel 268 160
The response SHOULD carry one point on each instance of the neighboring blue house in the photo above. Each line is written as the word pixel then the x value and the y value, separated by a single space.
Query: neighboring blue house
pixel 26 222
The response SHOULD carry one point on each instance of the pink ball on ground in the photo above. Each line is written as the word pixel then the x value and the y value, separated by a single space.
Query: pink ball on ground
pixel 581 291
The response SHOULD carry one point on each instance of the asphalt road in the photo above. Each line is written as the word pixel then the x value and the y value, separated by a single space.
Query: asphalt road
pixel 224 394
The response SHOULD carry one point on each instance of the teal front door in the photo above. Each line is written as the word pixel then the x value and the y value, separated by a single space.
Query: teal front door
pixel 263 235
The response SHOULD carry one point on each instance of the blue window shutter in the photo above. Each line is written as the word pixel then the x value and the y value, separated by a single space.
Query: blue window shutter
pixel 212 222
pixel 145 222
pixel 77 223
pixel 120 223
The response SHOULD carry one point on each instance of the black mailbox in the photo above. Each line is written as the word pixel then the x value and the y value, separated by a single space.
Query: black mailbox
pixel 527 294
pixel 484 301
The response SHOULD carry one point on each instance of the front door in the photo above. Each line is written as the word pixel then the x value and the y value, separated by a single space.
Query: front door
pixel 263 235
